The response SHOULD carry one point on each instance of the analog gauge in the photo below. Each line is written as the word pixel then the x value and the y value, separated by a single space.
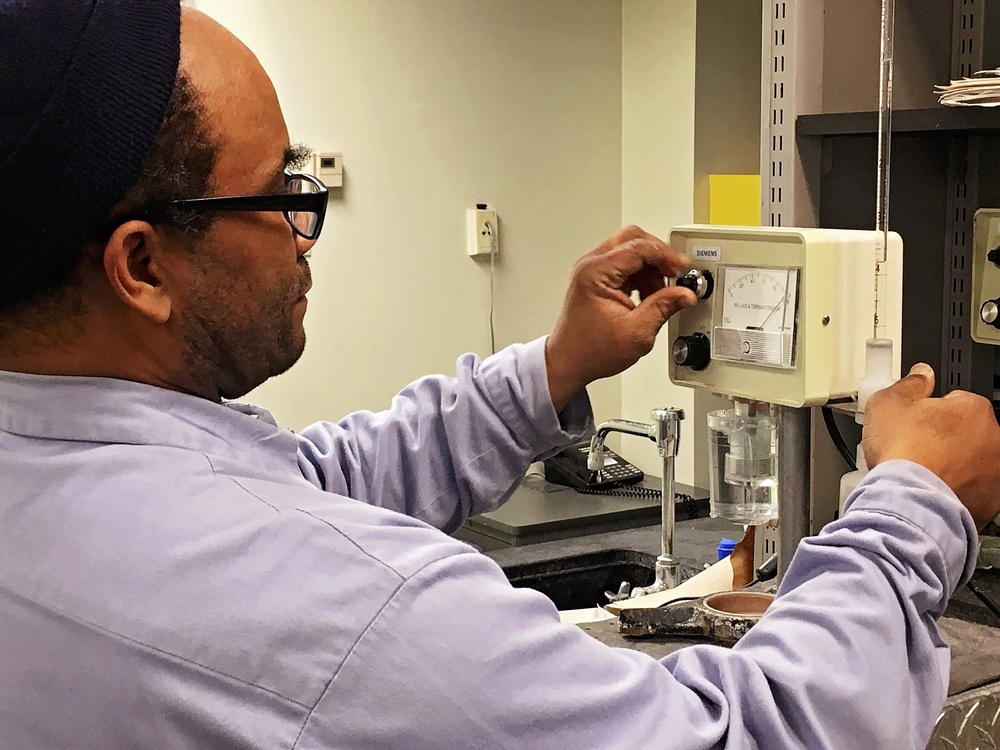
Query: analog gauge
pixel 756 322
pixel 758 299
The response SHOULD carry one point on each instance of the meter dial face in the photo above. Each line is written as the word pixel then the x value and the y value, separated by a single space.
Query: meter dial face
pixel 754 322
pixel 759 299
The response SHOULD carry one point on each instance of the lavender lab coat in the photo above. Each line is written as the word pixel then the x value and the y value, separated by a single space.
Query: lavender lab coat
pixel 181 574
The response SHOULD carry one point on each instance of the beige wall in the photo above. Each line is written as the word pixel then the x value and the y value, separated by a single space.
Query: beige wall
pixel 727 108
pixel 437 105
pixel 658 73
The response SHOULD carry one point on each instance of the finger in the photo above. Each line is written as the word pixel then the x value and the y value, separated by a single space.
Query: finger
pixel 629 259
pixel 647 282
pixel 624 236
pixel 649 315
pixel 919 384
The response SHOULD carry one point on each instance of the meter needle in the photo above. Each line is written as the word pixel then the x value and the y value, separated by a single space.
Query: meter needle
pixel 773 311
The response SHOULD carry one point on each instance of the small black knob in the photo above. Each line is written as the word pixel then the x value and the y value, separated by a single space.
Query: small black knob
pixel 699 282
pixel 990 312
pixel 993 256
pixel 693 351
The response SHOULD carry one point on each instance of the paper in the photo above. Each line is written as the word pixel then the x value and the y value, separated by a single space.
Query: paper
pixel 717 578
pixel 583 616
pixel 982 90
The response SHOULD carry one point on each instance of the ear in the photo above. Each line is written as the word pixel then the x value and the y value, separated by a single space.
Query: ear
pixel 134 261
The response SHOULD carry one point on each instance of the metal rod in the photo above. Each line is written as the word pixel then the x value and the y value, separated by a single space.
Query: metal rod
pixel 668 438
pixel 667 488
pixel 885 118
pixel 794 449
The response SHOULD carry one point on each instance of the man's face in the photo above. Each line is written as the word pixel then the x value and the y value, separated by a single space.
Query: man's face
pixel 240 312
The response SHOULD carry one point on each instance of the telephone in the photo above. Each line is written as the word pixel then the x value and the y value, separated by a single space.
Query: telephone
pixel 569 467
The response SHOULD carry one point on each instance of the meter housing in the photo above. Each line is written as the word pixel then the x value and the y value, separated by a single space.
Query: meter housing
pixel 790 311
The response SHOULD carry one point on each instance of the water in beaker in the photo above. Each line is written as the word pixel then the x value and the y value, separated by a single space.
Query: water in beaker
pixel 743 465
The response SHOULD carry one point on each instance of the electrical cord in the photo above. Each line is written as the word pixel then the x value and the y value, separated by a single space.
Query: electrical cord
pixel 689 507
pixel 624 491
pixel 838 439
pixel 767 570
pixel 493 255
pixel 985 598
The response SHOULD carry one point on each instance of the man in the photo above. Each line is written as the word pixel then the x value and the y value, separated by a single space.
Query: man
pixel 176 572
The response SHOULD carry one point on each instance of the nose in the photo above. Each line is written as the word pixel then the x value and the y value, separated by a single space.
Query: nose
pixel 302 245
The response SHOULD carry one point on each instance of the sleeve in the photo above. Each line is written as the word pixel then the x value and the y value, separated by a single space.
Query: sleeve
pixel 448 448
pixel 849 656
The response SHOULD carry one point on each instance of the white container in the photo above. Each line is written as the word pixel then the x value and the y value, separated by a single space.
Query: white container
pixel 850 481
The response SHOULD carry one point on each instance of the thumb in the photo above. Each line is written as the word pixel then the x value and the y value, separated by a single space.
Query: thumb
pixel 650 314
pixel 919 384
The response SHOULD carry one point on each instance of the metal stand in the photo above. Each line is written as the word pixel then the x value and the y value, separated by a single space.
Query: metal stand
pixel 668 425
pixel 794 450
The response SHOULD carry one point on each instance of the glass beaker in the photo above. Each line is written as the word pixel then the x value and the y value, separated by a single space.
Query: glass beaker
pixel 743 465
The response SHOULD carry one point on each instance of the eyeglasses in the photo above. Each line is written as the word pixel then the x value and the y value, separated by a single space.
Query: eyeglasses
pixel 303 204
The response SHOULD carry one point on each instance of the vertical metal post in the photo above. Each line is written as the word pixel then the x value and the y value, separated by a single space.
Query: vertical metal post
pixel 964 364
pixel 791 84
pixel 667 427
pixel 794 449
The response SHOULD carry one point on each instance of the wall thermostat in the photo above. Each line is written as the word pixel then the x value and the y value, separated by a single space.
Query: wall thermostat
pixel 329 167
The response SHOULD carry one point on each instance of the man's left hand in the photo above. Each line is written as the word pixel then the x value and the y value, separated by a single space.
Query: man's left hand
pixel 601 331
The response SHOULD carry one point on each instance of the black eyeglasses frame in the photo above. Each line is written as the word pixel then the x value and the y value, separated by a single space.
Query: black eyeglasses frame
pixel 287 203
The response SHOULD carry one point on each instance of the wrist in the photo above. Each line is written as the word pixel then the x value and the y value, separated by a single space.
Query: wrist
pixel 564 379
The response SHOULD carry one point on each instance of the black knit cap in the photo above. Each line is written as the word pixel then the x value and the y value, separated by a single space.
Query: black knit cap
pixel 84 87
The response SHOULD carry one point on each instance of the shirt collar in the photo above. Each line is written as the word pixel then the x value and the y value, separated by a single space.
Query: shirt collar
pixel 107 410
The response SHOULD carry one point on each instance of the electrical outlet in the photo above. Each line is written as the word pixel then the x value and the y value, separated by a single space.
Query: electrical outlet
pixel 483 231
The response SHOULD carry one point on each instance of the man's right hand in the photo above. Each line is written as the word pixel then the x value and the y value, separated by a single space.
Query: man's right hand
pixel 956 437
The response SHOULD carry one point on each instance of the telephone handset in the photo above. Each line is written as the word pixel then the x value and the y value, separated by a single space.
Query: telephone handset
pixel 569 467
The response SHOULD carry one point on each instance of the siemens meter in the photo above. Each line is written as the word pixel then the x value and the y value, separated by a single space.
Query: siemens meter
pixel 783 313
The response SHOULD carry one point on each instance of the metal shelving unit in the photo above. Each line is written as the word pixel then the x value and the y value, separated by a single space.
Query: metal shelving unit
pixel 941 156
pixel 818 165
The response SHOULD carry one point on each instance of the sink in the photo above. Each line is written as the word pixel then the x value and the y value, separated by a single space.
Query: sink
pixel 579 581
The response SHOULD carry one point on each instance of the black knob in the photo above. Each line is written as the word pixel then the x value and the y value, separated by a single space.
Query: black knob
pixel 993 256
pixel 990 312
pixel 693 351
pixel 699 282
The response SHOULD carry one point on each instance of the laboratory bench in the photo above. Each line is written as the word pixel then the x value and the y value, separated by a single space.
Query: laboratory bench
pixel 577 567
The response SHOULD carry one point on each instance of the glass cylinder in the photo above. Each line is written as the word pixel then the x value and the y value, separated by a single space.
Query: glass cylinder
pixel 743 465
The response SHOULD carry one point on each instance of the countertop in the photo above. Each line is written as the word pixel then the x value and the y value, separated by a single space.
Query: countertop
pixel 695 543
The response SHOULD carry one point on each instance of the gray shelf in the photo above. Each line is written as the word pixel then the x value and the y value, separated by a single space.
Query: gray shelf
pixel 933 120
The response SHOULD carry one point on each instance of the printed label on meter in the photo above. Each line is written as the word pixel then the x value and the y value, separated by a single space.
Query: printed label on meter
pixel 708 253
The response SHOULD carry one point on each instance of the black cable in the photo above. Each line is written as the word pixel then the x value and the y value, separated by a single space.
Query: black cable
pixel 624 491
pixel 838 439
pixel 493 256
pixel 688 508
pixel 985 598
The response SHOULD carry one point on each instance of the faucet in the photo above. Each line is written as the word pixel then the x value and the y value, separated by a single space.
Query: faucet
pixel 665 431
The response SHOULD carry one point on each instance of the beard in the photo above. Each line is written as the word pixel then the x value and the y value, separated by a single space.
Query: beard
pixel 236 336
